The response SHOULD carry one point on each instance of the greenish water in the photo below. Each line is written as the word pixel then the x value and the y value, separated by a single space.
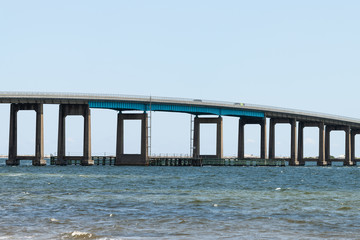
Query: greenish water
pixel 107 202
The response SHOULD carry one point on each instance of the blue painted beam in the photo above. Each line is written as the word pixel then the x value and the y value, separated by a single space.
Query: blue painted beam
pixel 176 108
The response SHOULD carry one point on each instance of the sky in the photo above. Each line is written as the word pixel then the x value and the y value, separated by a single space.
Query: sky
pixel 292 54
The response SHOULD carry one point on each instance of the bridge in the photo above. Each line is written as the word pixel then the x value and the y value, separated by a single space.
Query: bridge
pixel 205 112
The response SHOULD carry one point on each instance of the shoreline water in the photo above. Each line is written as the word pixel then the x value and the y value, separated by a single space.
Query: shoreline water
pixel 75 202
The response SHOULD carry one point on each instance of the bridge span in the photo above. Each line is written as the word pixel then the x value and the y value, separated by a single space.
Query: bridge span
pixel 205 112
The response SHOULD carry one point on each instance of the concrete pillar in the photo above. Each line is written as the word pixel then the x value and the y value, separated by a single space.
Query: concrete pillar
pixel 301 144
pixel 144 138
pixel 327 144
pixel 241 139
pixel 263 145
pixel 348 161
pixel 39 143
pixel 87 160
pixel 13 158
pixel 353 134
pixel 293 160
pixel 61 137
pixel 120 136
pixel 132 159
pixel 322 153
pixel 272 139
pixel 74 109
pixel 13 137
pixel 219 136
pixel 196 142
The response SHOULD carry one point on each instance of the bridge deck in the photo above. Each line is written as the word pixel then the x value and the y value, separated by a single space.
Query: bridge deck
pixel 193 106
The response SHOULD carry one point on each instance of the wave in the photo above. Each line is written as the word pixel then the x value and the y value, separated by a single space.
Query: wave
pixel 78 235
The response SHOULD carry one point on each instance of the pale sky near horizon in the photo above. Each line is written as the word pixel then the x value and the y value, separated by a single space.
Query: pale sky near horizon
pixel 293 54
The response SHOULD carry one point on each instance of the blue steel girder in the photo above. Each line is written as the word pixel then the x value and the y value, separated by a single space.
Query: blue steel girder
pixel 196 110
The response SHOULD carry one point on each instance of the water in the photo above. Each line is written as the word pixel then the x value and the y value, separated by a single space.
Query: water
pixel 107 202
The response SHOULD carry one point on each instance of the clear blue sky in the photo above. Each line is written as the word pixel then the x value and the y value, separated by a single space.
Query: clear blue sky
pixel 295 54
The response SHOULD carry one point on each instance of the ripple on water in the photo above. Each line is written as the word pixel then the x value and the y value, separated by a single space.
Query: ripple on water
pixel 344 209
pixel 172 203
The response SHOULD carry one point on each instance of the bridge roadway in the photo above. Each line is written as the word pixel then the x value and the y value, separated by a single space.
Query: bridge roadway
pixel 80 104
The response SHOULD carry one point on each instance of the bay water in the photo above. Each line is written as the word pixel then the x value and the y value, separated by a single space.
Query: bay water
pixel 109 202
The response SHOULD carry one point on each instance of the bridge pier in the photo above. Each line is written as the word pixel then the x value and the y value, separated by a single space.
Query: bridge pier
pixel 273 121
pixel 322 159
pixel 74 109
pixel 348 150
pixel 354 132
pixel 241 140
pixel 219 136
pixel 13 158
pixel 348 161
pixel 132 159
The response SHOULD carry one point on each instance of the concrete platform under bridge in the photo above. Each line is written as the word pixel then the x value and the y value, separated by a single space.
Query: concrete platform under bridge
pixel 179 161
pixel 76 160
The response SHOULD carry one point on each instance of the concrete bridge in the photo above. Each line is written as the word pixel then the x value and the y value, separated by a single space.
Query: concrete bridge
pixel 206 112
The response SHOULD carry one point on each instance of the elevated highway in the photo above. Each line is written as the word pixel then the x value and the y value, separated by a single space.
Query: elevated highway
pixel 80 104
pixel 191 106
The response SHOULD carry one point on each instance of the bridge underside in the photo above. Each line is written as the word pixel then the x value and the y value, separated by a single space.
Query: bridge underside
pixel 196 110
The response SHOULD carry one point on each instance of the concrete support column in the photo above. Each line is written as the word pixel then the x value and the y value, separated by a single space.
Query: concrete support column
pixel 263 145
pixel 39 143
pixel 74 109
pixel 272 139
pixel 87 160
pixel 241 139
pixel 132 159
pixel 348 161
pixel 61 138
pixel 120 136
pixel 196 142
pixel 13 137
pixel 354 132
pixel 327 145
pixel 219 136
pixel 13 158
pixel 322 153
pixel 301 144
pixel 145 138
pixel 293 160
